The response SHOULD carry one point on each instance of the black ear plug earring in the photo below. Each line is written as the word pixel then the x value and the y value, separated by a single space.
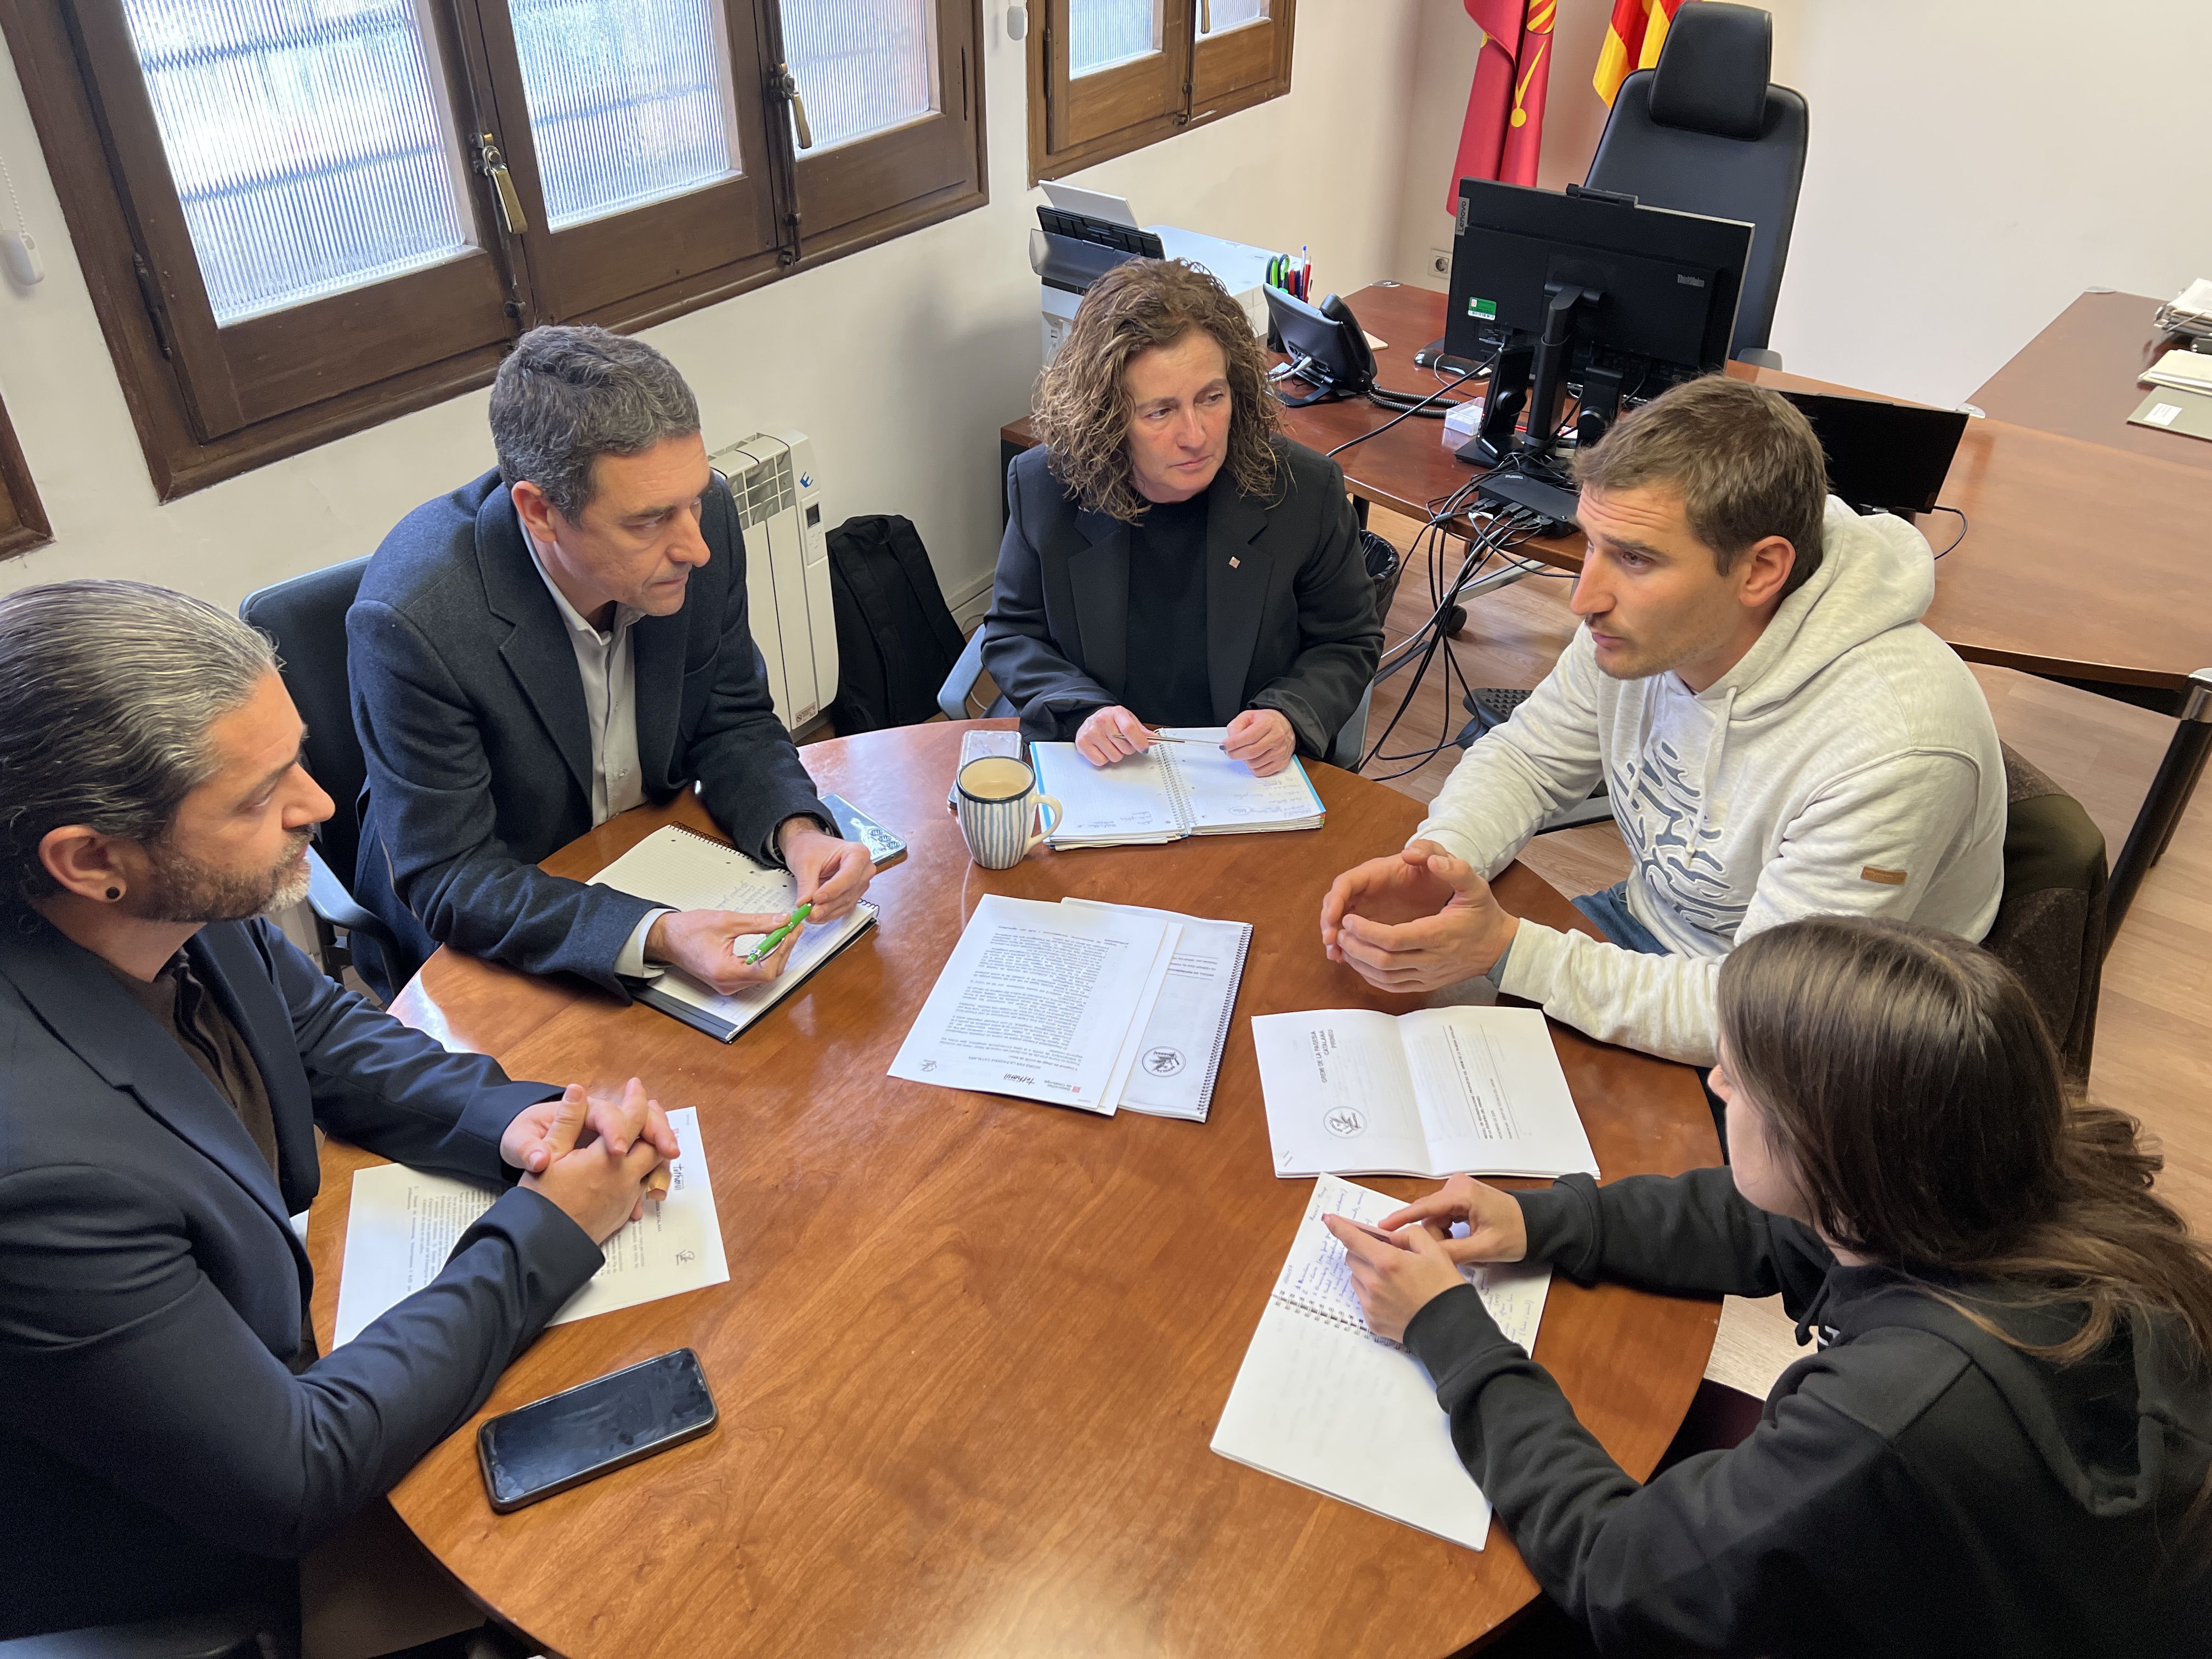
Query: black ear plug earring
pixel 115 892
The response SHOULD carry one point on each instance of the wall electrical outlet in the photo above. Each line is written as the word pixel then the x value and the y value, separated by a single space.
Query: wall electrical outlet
pixel 1440 261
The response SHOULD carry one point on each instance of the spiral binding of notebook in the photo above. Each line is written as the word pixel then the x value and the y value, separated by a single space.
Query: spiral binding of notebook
pixel 1178 788
pixel 1315 1310
pixel 1228 1014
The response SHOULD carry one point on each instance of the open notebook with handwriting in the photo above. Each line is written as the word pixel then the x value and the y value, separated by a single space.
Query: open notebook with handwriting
pixel 1188 787
pixel 1323 1400
pixel 685 871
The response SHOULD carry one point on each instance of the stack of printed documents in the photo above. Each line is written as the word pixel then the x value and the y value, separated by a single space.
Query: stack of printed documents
pixel 1097 1006
pixel 2189 312
pixel 2185 371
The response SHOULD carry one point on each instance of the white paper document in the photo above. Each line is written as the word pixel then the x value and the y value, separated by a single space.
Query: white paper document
pixel 1039 1000
pixel 402 1224
pixel 1322 1401
pixel 1170 791
pixel 687 872
pixel 1351 1091
pixel 1178 1052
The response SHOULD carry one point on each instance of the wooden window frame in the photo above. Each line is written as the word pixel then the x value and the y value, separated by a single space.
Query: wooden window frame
pixel 1073 124
pixel 23 522
pixel 207 409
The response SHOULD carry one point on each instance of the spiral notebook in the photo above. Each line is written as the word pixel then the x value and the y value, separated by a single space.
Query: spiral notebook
pixel 1323 1401
pixel 685 871
pixel 1179 1051
pixel 1186 787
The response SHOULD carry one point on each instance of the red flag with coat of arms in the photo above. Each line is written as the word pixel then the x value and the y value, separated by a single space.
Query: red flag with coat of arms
pixel 1504 126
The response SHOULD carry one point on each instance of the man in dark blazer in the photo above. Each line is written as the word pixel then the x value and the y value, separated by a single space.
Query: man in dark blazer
pixel 171 1436
pixel 559 641
pixel 1170 558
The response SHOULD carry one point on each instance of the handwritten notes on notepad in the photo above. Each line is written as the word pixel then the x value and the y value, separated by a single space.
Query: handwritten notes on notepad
pixel 1186 787
pixel 1322 1401
pixel 687 872
pixel 402 1224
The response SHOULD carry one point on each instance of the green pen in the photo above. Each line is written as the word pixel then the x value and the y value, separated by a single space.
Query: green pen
pixel 762 949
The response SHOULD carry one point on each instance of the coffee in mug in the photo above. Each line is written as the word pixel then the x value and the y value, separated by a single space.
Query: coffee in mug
pixel 999 806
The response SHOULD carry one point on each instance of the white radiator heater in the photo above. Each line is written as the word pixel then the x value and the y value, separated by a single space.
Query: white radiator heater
pixel 778 499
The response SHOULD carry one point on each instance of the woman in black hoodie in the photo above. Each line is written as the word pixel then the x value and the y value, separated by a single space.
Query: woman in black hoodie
pixel 2004 1443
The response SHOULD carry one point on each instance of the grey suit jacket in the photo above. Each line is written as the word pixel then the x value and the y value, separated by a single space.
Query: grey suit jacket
pixel 1290 609
pixel 158 1448
pixel 470 714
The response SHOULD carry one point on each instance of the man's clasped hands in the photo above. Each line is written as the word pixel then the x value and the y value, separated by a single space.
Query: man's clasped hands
pixel 598 1160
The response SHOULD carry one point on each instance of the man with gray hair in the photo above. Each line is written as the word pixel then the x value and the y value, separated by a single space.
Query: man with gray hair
pixel 171 1435
pixel 561 640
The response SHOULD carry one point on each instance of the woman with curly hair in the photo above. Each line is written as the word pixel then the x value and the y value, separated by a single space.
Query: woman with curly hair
pixel 2003 1444
pixel 1171 559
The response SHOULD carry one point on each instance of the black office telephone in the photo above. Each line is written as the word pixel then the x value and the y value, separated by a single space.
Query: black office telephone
pixel 1326 347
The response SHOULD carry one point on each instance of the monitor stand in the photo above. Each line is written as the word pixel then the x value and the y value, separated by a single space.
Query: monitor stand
pixel 1509 394
pixel 1548 397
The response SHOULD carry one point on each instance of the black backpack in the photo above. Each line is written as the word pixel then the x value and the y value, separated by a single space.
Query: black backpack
pixel 895 640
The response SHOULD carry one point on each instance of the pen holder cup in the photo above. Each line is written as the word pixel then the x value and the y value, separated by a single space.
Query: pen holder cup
pixel 999 805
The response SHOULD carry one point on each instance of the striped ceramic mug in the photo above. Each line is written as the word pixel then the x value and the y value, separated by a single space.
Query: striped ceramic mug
pixel 998 803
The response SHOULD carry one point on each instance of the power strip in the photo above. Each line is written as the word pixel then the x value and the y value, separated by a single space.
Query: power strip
pixel 1556 505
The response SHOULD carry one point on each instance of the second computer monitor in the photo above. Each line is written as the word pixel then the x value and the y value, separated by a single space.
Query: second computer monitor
pixel 1665 283
pixel 1588 278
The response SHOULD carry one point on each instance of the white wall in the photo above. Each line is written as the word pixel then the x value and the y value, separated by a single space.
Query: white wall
pixel 1974 164
pixel 902 362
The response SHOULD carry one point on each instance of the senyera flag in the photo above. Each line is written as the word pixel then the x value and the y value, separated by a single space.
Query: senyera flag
pixel 1633 40
pixel 1505 107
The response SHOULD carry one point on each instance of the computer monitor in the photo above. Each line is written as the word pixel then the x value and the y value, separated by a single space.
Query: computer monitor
pixel 1891 458
pixel 1583 280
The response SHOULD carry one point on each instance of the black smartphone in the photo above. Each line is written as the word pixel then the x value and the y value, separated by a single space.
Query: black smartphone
pixel 568 1439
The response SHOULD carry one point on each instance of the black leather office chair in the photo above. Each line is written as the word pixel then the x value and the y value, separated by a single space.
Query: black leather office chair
pixel 1704 132
pixel 306 618
pixel 2050 924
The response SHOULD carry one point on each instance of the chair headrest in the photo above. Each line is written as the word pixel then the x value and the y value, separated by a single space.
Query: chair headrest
pixel 1712 71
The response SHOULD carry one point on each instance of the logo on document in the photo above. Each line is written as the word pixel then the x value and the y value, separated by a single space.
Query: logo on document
pixel 1345 1122
pixel 1163 1061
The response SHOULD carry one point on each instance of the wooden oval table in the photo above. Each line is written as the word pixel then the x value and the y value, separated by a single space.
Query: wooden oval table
pixel 972 1349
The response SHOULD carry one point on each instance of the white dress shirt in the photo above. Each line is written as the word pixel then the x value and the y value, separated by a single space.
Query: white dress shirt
pixel 605 665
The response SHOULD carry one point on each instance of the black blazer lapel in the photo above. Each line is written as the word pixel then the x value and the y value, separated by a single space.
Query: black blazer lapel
pixel 536 649
pixel 1238 571
pixel 84 1007
pixel 1099 576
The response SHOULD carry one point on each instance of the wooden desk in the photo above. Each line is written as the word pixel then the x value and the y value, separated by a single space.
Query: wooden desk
pixel 972 1349
pixel 2077 378
pixel 2081 562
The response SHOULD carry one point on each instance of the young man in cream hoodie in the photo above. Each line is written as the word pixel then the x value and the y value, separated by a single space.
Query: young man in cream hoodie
pixel 1779 735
